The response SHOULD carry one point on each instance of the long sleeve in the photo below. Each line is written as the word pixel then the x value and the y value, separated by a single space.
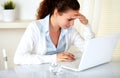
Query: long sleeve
pixel 79 41
pixel 88 33
pixel 28 52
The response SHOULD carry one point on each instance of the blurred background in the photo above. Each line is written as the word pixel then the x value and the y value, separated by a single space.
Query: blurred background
pixel 103 15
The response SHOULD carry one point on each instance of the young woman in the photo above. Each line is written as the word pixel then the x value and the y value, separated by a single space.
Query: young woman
pixel 48 39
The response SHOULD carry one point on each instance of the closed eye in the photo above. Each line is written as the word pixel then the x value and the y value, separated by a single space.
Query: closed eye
pixel 70 19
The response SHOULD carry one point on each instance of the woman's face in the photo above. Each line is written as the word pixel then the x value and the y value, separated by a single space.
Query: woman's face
pixel 66 19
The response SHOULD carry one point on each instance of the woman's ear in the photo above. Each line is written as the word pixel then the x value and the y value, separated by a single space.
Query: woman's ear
pixel 56 13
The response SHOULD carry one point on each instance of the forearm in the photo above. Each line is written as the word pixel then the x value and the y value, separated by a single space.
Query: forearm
pixel 33 58
pixel 88 33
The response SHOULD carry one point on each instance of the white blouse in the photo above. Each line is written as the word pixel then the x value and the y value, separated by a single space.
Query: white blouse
pixel 32 48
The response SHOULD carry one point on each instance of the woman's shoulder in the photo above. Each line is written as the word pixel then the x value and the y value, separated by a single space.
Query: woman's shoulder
pixel 40 23
pixel 35 24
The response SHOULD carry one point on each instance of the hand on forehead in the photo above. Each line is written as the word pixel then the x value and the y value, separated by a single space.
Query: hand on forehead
pixel 78 15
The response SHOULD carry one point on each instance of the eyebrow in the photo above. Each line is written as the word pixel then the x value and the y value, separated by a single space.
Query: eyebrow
pixel 71 18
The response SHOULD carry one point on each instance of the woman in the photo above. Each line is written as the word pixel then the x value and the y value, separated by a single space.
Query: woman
pixel 47 39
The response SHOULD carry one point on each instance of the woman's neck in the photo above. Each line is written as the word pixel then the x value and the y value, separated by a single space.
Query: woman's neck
pixel 53 24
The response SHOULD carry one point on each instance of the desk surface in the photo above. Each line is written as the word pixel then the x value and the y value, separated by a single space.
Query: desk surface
pixel 109 70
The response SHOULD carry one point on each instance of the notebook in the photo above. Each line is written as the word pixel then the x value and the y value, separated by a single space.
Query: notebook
pixel 97 51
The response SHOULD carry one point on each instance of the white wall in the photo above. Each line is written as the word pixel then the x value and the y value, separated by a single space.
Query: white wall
pixel 9 39
pixel 25 9
pixel 110 20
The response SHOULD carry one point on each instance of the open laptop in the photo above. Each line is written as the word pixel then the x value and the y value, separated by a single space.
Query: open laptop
pixel 98 51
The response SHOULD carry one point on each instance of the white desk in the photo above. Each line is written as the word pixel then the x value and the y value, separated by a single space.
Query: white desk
pixel 109 70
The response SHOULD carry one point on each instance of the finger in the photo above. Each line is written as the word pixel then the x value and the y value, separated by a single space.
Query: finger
pixel 70 54
pixel 66 60
pixel 78 14
pixel 84 21
pixel 68 57
pixel 82 18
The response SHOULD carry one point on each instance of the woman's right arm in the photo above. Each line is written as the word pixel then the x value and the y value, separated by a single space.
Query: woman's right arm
pixel 24 54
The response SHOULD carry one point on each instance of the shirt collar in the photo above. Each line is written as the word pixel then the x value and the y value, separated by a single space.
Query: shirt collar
pixel 45 23
pixel 63 32
pixel 45 28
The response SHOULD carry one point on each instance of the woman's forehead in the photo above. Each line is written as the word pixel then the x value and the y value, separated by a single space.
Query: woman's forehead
pixel 71 13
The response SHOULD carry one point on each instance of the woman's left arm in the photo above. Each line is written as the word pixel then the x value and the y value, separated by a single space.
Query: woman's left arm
pixel 79 41
pixel 88 33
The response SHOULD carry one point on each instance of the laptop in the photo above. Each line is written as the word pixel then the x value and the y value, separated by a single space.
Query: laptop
pixel 97 51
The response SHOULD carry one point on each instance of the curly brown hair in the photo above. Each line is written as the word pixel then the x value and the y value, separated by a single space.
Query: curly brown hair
pixel 47 7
